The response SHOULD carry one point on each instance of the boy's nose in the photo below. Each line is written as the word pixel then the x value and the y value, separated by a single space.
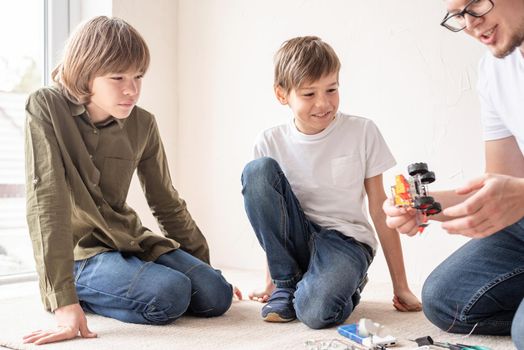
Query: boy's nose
pixel 131 88
pixel 321 100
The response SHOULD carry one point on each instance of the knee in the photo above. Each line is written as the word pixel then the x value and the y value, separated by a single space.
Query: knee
pixel 258 171
pixel 321 311
pixel 171 298
pixel 433 303
pixel 517 327
pixel 214 297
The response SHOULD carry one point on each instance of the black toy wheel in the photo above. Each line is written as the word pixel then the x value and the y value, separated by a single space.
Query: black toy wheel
pixel 417 168
pixel 423 203
pixel 427 178
pixel 434 209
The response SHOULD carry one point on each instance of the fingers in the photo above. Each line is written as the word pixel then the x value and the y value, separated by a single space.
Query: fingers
pixel 260 298
pixel 402 306
pixel 391 210
pixel 481 230
pixel 468 207
pixel 398 305
pixel 50 336
pixel 471 186
pixel 237 293
pixel 85 332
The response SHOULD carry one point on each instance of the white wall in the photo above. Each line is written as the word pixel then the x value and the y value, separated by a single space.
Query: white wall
pixel 210 86
pixel 156 22
pixel 399 68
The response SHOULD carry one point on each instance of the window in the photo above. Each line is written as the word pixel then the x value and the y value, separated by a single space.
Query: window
pixel 36 28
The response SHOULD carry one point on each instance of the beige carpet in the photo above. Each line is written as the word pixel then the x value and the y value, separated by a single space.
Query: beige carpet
pixel 240 328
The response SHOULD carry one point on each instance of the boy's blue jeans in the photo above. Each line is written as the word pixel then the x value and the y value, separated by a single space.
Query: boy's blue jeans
pixel 480 286
pixel 327 268
pixel 121 286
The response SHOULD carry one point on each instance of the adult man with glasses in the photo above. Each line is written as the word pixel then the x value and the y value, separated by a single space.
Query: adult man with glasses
pixel 480 287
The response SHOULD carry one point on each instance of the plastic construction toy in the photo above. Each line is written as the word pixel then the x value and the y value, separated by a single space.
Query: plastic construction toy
pixel 412 192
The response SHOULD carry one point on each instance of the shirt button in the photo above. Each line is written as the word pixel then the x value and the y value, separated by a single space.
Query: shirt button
pixel 36 180
pixel 98 207
pixel 132 242
pixel 95 131
pixel 91 156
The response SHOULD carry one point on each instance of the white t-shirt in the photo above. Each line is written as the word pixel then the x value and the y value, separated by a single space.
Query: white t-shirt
pixel 501 90
pixel 327 170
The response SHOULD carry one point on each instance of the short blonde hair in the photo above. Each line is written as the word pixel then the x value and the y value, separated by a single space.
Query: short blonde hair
pixel 303 59
pixel 100 46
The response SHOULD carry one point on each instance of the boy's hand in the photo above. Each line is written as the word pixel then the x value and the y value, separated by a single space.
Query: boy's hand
pixel 401 219
pixel 406 301
pixel 70 321
pixel 237 294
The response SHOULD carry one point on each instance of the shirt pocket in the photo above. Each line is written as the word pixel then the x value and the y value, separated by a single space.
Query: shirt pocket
pixel 347 171
pixel 115 179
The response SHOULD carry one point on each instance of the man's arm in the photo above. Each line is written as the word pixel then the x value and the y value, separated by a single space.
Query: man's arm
pixel 496 199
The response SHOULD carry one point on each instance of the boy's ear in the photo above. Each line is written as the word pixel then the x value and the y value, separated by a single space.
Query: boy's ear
pixel 280 94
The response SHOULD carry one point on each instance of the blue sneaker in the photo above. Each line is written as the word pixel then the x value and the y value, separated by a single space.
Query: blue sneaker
pixel 279 307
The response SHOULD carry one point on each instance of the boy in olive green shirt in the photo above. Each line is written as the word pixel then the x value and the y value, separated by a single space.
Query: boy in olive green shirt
pixel 84 139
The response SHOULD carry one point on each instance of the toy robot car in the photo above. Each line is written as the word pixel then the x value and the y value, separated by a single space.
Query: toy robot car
pixel 413 193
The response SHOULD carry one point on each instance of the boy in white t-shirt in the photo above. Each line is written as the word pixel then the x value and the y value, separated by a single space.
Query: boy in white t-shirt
pixel 304 196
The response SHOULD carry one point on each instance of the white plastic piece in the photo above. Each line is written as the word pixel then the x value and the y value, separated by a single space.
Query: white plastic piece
pixel 366 327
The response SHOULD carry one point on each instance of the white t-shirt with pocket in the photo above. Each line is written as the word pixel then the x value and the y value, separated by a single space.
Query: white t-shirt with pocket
pixel 327 170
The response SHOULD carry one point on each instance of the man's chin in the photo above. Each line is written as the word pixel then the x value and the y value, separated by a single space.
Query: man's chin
pixel 503 52
pixel 517 42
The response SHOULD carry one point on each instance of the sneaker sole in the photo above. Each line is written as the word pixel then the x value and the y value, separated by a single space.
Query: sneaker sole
pixel 274 317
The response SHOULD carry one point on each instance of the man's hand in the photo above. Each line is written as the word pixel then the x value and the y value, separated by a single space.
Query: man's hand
pixel 497 203
pixel 401 219
pixel 70 321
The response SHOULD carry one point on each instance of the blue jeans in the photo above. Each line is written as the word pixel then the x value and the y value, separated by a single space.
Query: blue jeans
pixel 327 268
pixel 480 286
pixel 121 286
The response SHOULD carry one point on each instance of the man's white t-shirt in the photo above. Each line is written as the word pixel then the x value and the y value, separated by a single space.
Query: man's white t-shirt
pixel 501 90
pixel 327 170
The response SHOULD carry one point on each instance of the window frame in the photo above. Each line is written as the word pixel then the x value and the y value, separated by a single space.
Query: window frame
pixel 59 17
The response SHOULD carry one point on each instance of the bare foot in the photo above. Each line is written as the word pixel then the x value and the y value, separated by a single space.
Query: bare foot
pixel 262 296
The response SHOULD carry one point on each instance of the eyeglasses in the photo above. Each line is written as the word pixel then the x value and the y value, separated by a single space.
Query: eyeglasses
pixel 476 8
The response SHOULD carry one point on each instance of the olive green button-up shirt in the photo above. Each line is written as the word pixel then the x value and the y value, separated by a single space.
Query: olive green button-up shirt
pixel 77 179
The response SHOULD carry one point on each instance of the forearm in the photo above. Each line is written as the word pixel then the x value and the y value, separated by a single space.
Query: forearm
pixel 392 248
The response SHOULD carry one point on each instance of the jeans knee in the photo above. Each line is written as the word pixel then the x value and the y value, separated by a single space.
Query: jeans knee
pixel 257 172
pixel 433 304
pixel 215 299
pixel 321 312
pixel 170 301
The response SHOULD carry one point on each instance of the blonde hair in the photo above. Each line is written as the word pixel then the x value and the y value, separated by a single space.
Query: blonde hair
pixel 100 46
pixel 303 59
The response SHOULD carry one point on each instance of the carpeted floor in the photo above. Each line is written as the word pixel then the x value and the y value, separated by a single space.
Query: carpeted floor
pixel 240 328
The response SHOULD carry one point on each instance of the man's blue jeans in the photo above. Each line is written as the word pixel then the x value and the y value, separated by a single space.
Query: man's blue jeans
pixel 327 268
pixel 121 286
pixel 480 286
